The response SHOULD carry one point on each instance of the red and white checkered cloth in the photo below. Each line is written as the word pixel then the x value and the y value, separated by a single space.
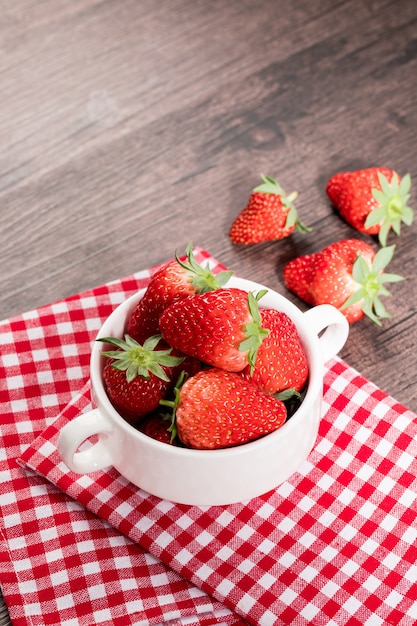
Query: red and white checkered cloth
pixel 335 545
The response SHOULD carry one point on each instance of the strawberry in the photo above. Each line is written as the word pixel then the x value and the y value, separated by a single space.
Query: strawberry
pixel 175 280
pixel 269 215
pixel 221 328
pixel 281 362
pixel 157 427
pixel 137 377
pixel 219 409
pixel 372 200
pixel 347 274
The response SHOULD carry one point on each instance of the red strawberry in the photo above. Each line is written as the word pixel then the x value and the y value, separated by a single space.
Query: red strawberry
pixel 189 364
pixel 269 215
pixel 137 377
pixel 281 362
pixel 347 274
pixel 218 409
pixel 372 200
pixel 221 328
pixel 175 280
pixel 157 427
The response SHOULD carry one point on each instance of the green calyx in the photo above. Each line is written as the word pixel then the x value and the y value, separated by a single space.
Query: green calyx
pixel 173 404
pixel 270 185
pixel 287 394
pixel 137 360
pixel 202 278
pixel 392 206
pixel 371 280
pixel 254 332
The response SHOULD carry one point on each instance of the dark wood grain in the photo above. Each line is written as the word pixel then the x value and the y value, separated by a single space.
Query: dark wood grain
pixel 129 128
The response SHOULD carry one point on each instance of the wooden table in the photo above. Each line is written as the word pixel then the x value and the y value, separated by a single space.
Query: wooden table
pixel 130 128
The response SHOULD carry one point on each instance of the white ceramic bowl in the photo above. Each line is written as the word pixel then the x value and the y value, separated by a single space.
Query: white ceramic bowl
pixel 206 477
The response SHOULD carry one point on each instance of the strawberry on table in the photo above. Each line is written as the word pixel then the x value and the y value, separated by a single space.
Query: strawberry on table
pixel 175 280
pixel 137 377
pixel 281 362
pixel 269 215
pixel 219 409
pixel 347 274
pixel 373 200
pixel 222 328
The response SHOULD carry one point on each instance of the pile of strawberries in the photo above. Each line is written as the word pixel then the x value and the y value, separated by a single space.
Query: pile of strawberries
pixel 348 274
pixel 203 365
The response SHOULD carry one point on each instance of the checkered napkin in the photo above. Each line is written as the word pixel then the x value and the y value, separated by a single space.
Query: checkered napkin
pixel 333 545
pixel 60 564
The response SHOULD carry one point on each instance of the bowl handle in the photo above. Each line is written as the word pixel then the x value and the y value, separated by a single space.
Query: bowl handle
pixel 332 325
pixel 95 457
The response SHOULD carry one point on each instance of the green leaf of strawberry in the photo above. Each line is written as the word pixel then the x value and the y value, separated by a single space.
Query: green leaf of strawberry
pixel 392 207
pixel 137 360
pixel 137 377
pixel 371 279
